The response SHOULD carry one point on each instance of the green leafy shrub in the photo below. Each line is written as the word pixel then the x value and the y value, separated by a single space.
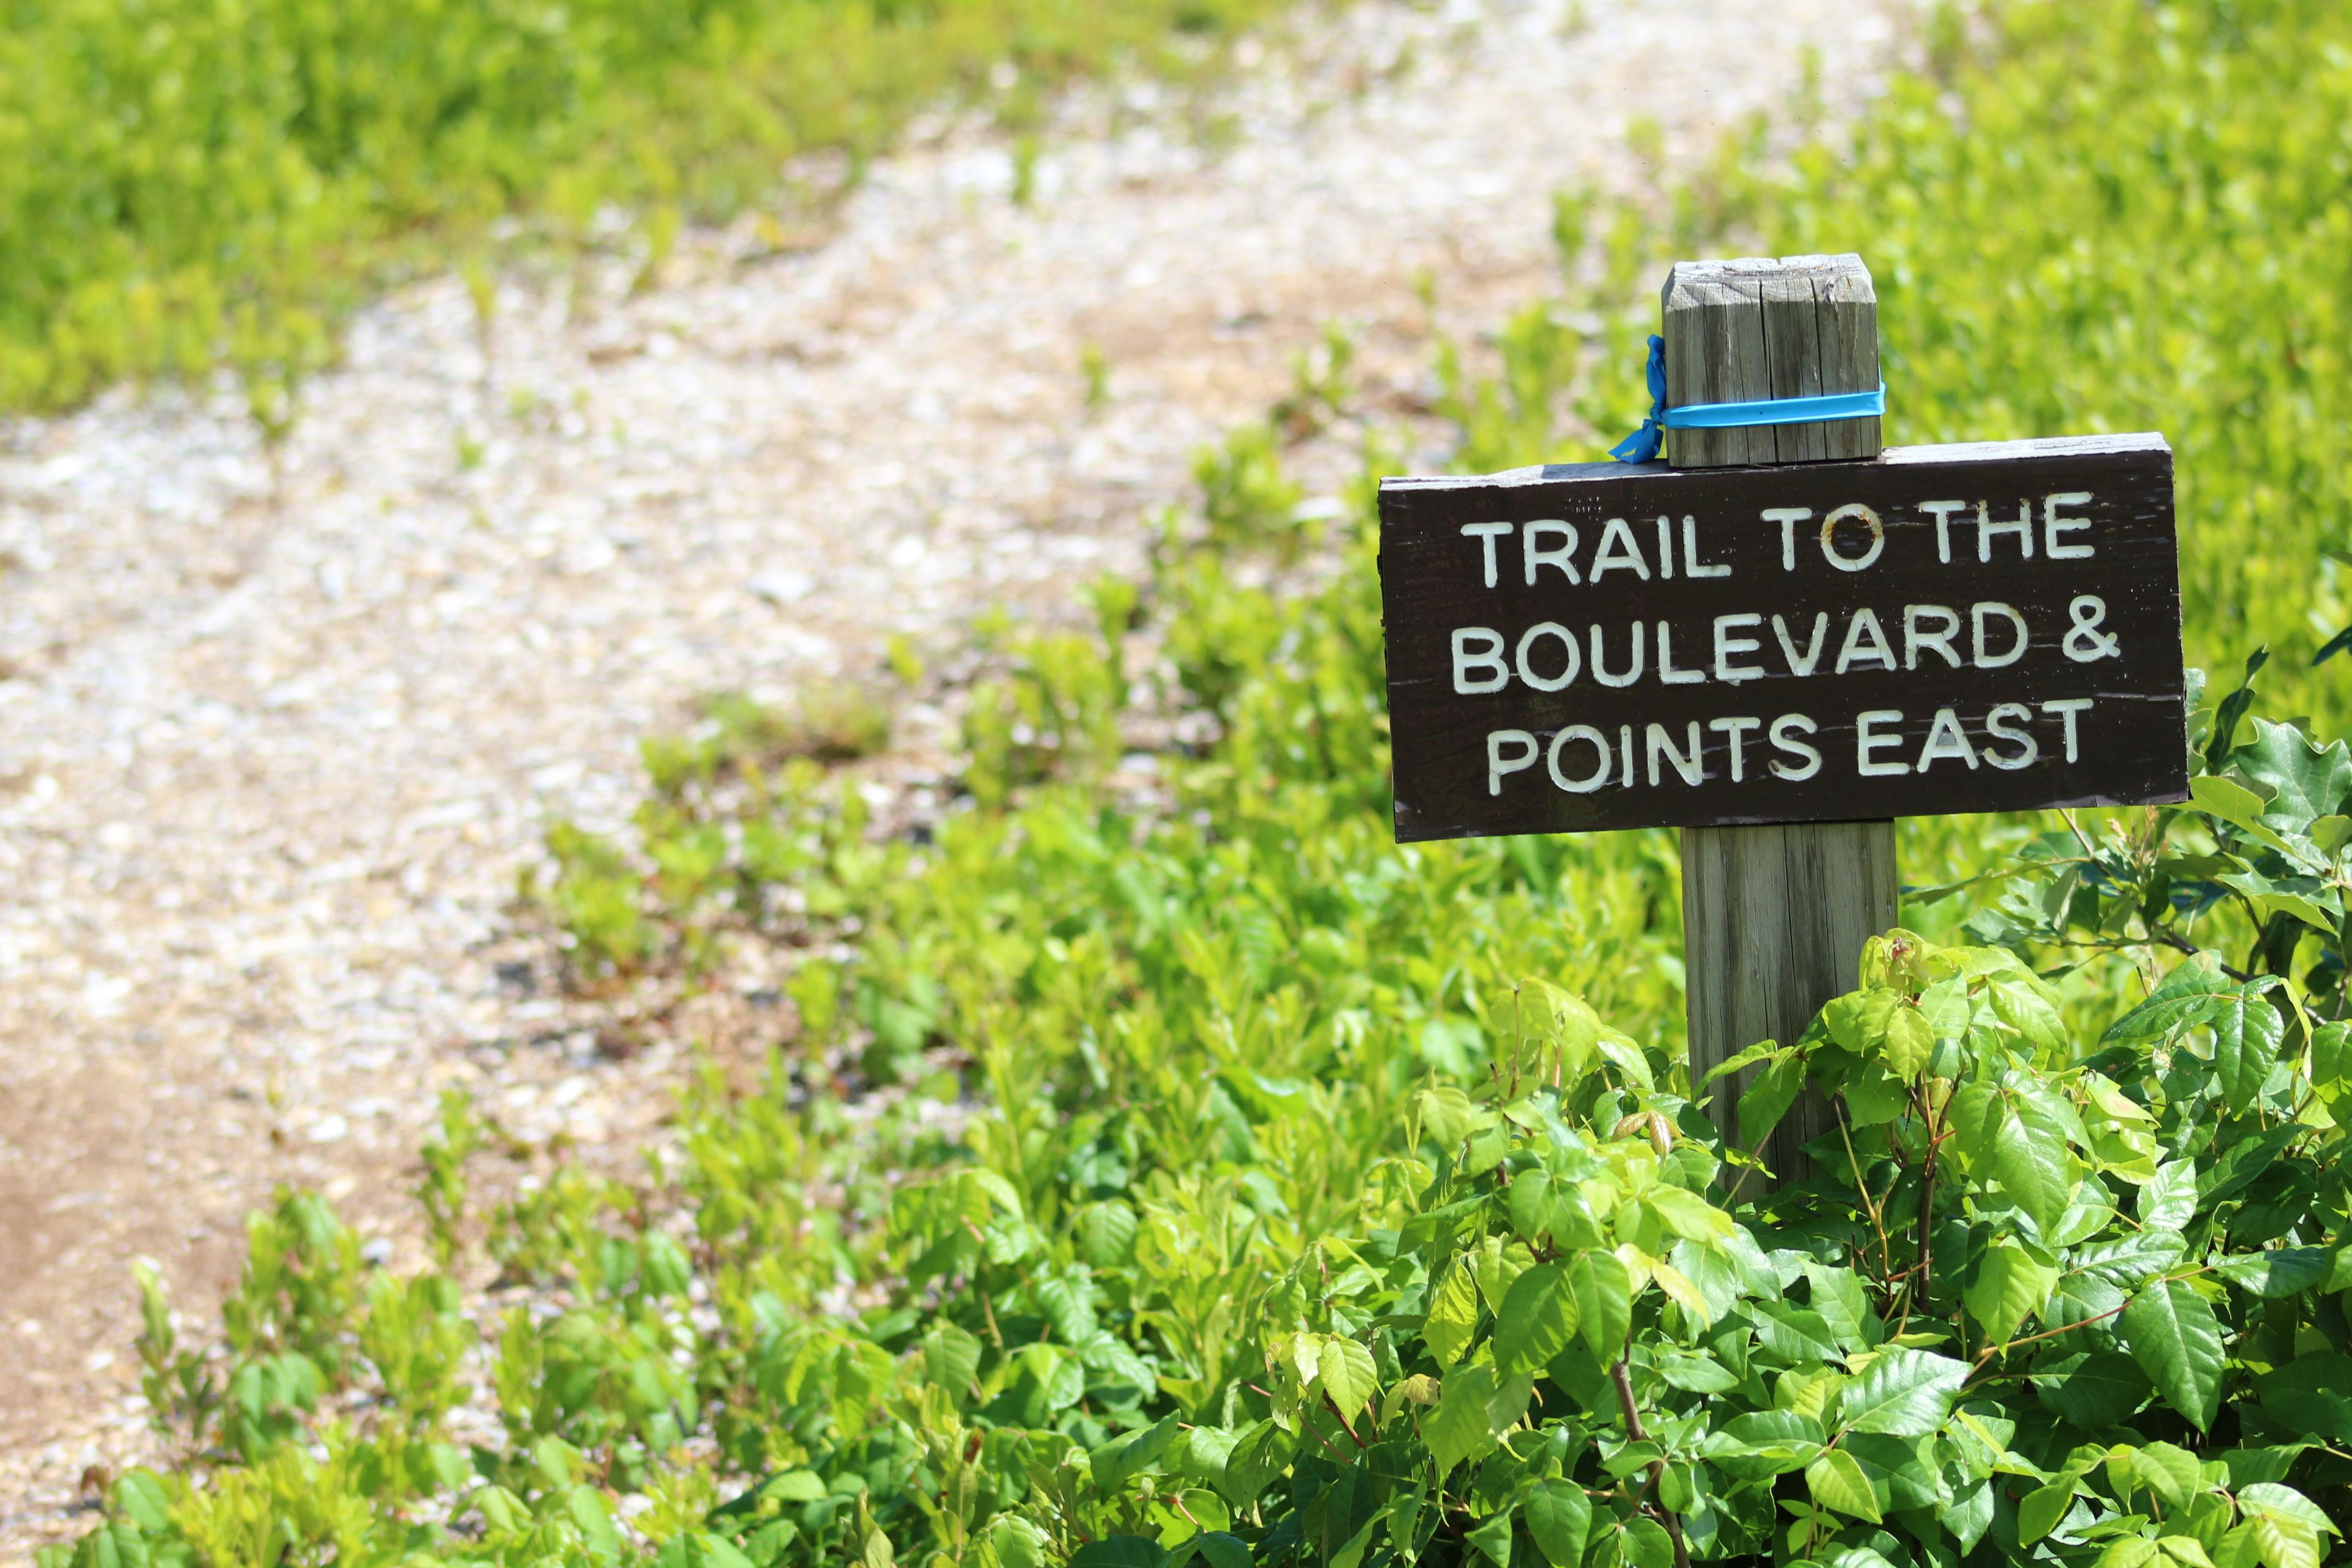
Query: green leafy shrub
pixel 1249 1188
pixel 191 183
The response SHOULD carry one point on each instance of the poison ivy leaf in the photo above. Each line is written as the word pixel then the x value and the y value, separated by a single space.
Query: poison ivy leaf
pixel 1495 1265
pixel 2185 994
pixel 2272 1497
pixel 1604 1300
pixel 1839 1297
pixel 2030 1012
pixel 2127 1261
pixel 2171 1472
pixel 1118 1463
pixel 1106 1234
pixel 1644 1544
pixel 1119 1552
pixel 1793 1334
pixel 1696 1374
pixel 2011 1286
pixel 1456 1430
pixel 1903 1393
pixel 2030 1164
pixel 1910 1040
pixel 1539 1319
pixel 1945 1006
pixel 1492 1539
pixel 1836 1481
pixel 2246 1034
pixel 2093 1392
pixel 950 1360
pixel 2038 1511
pixel 2171 1332
pixel 2169 1201
pixel 1858 1020
pixel 1453 1316
pixel 2282 1271
pixel 2311 1394
pixel 1970 1516
pixel 1349 1375
pixel 2242 1161
pixel 1531 1204
pixel 1687 1215
pixel 1216 1548
pixel 2284 1542
pixel 1559 1517
pixel 2331 1063
pixel 1768 1098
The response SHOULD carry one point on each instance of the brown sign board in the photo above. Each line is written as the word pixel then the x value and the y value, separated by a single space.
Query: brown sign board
pixel 1939 629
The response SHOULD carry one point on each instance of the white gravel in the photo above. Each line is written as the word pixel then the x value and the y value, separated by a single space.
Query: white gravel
pixel 268 767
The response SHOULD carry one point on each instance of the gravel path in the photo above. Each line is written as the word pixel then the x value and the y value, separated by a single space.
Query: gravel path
pixel 268 767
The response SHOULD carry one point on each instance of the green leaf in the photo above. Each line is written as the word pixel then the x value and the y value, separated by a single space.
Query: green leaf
pixel 1348 1377
pixel 2311 1394
pixel 2309 781
pixel 1531 1204
pixel 1119 1552
pixel 2282 1271
pixel 2038 1511
pixel 1539 1319
pixel 950 1360
pixel 2011 1286
pixel 2185 994
pixel 1839 1297
pixel 1793 1334
pixel 1492 1538
pixel 1459 1428
pixel 2030 1164
pixel 1904 1392
pixel 1696 1374
pixel 1687 1215
pixel 1970 1516
pixel 2172 1334
pixel 1217 1548
pixel 1768 1098
pixel 1836 1481
pixel 1910 1040
pixel 2284 1542
pixel 2094 1392
pixel 2246 1034
pixel 2030 1012
pixel 2169 1201
pixel 1453 1316
pixel 1560 1517
pixel 1605 1301
pixel 1858 1020
pixel 1106 1234
pixel 2270 1497
pixel 2169 1471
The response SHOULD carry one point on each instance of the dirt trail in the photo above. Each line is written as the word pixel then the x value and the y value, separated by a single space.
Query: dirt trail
pixel 268 765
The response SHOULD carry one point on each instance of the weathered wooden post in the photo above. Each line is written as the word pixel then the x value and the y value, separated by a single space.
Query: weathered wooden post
pixel 1774 916
pixel 1781 640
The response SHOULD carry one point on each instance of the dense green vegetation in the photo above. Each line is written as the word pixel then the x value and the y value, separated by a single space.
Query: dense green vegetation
pixel 1189 1172
pixel 191 183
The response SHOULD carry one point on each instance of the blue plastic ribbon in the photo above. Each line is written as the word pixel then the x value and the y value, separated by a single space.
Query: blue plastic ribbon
pixel 1642 445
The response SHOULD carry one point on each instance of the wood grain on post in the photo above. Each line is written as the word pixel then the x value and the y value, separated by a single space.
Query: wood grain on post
pixel 1774 917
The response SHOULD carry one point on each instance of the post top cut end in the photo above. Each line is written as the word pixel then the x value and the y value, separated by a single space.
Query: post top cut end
pixel 1691 285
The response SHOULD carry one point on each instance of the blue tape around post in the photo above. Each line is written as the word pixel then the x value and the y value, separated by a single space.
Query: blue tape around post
pixel 1642 445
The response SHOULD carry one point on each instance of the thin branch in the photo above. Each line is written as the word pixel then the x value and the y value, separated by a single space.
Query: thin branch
pixel 1622 1377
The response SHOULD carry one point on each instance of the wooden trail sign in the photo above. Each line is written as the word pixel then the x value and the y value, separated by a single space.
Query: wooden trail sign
pixel 1942 629
pixel 1779 642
